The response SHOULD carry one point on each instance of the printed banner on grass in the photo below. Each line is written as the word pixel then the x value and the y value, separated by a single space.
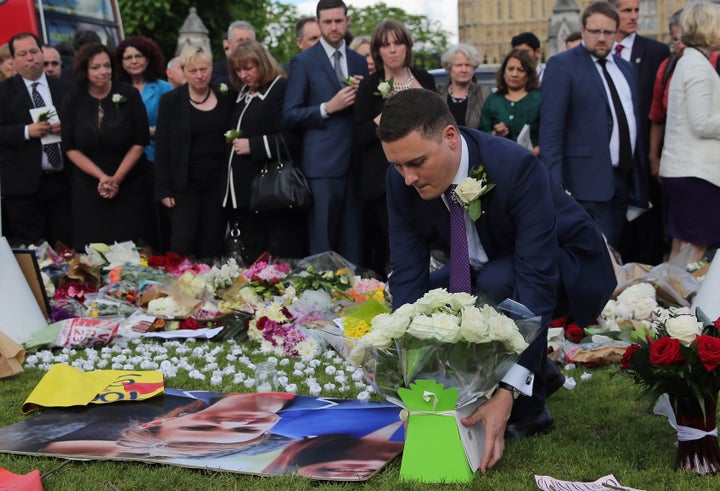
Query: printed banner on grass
pixel 65 386
pixel 254 433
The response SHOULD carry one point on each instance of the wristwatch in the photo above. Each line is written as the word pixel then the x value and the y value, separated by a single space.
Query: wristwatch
pixel 515 393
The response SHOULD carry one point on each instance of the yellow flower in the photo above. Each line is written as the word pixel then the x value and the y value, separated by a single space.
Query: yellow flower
pixel 355 329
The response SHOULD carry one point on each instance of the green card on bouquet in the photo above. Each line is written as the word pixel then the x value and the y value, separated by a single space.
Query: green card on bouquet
pixel 434 452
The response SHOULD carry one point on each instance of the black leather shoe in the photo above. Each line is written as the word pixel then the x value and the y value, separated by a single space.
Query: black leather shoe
pixel 552 376
pixel 540 424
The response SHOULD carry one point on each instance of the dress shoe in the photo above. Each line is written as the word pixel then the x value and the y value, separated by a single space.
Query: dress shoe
pixel 552 376
pixel 539 424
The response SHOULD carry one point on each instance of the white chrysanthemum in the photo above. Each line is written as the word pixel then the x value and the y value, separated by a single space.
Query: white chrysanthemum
pixel 363 396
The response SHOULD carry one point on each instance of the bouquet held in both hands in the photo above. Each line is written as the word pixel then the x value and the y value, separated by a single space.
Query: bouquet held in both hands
pixel 440 358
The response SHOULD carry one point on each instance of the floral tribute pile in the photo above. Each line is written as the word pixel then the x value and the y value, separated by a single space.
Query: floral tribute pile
pixel 269 311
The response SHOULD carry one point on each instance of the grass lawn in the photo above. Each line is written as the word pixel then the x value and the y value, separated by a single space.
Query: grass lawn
pixel 602 427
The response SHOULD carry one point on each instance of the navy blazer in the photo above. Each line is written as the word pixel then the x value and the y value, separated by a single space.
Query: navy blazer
pixel 20 159
pixel 551 239
pixel 327 143
pixel 576 125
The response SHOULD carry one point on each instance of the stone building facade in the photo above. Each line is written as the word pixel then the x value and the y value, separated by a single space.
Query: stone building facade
pixel 490 24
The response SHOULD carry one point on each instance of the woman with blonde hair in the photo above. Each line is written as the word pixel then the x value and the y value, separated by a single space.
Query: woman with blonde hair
pixel 361 45
pixel 190 147
pixel 7 64
pixel 688 167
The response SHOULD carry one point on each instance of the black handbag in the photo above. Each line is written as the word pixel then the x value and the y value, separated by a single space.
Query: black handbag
pixel 280 184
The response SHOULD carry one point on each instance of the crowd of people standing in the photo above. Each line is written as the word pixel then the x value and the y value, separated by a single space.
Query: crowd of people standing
pixel 148 159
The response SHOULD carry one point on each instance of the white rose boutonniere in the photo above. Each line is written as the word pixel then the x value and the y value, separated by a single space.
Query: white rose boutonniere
pixel 470 190
pixel 223 89
pixel 385 88
pixel 118 99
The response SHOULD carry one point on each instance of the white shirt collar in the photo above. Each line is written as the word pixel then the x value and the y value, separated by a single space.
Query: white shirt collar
pixel 463 168
pixel 43 81
pixel 329 50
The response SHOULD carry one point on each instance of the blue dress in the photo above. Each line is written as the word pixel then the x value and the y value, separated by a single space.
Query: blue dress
pixel 151 94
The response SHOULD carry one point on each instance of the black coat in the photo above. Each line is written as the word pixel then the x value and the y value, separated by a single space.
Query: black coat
pixel 173 138
pixel 20 159
pixel 371 158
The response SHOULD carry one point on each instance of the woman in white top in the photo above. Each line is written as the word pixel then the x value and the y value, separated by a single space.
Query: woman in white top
pixel 690 164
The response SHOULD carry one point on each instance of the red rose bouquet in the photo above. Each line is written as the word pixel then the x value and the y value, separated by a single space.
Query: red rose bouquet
pixel 680 357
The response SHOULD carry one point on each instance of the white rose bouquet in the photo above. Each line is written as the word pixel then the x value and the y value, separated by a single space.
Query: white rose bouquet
pixel 445 337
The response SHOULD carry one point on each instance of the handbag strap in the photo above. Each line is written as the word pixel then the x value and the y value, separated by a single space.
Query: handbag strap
pixel 277 151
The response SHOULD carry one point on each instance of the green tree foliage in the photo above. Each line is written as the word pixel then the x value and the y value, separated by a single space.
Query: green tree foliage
pixel 429 38
pixel 161 19
pixel 274 23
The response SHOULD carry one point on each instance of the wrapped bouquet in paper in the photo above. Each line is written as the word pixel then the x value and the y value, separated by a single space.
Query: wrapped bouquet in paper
pixel 449 340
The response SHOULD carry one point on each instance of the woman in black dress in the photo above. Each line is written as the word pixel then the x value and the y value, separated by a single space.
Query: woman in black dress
pixel 104 131
pixel 257 114
pixel 391 48
pixel 189 155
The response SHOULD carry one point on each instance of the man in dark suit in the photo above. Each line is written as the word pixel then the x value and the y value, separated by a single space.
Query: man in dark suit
pixel 34 177
pixel 532 243
pixel 642 239
pixel 589 114
pixel 319 103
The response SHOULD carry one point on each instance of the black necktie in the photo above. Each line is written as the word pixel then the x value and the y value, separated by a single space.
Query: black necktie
pixel 52 150
pixel 626 155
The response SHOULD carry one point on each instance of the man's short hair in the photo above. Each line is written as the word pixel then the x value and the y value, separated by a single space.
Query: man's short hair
pixel 18 37
pixel 300 26
pixel 604 8
pixel 526 38
pixel 330 4
pixel 573 36
pixel 240 24
pixel 411 110
pixel 675 20
pixel 83 37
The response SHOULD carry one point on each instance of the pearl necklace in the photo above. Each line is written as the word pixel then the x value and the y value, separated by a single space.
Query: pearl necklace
pixel 398 86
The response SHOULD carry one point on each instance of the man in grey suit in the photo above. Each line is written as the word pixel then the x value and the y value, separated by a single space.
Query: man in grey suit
pixel 34 176
pixel 319 102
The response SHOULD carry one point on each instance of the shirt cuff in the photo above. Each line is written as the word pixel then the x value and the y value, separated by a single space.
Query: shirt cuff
pixel 323 111
pixel 27 132
pixel 521 378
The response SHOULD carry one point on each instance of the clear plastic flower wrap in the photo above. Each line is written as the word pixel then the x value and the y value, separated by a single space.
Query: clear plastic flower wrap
pixel 454 339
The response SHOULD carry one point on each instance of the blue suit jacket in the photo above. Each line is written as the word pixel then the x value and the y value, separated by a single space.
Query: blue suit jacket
pixel 576 124
pixel 551 239
pixel 327 143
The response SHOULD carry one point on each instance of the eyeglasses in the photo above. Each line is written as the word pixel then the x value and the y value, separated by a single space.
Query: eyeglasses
pixel 52 63
pixel 133 57
pixel 597 32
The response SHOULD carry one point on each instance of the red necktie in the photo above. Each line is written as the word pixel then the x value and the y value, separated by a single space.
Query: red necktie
pixel 618 49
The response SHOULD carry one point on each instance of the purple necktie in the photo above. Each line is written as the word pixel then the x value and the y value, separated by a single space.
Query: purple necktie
pixel 618 49
pixel 459 257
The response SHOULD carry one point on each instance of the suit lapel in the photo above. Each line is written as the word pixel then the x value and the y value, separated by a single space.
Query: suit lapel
pixel 324 61
pixel 481 224
pixel 22 91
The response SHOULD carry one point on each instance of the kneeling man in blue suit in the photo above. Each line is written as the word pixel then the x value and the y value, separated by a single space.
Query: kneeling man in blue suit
pixel 532 243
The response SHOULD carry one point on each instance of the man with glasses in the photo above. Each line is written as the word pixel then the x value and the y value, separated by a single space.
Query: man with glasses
pixel 53 63
pixel 33 170
pixel 589 124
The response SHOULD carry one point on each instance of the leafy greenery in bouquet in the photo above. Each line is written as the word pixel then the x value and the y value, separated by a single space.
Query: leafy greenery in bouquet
pixel 680 356
pixel 446 337
pixel 334 282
